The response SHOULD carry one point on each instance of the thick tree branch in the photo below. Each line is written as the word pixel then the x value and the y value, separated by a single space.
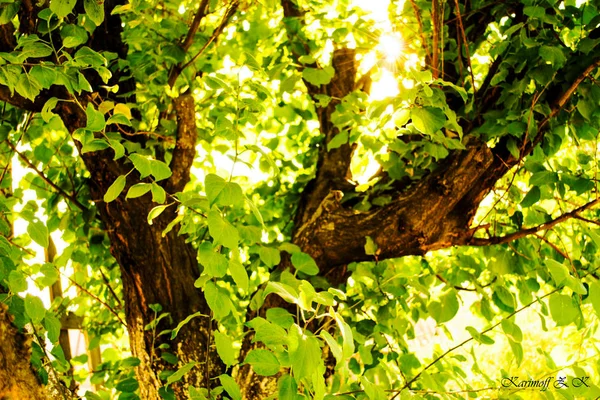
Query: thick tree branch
pixel 332 171
pixel 177 70
pixel 526 232
pixel 200 14
pixel 185 150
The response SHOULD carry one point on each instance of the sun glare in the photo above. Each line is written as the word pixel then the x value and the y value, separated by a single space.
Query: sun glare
pixel 391 46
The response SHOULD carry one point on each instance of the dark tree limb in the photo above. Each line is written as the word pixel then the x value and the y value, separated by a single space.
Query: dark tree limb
pixel 185 151
pixel 530 231
pixel 177 70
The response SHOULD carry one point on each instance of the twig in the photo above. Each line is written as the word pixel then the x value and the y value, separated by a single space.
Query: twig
pixel 420 23
pixel 589 221
pixel 555 247
pixel 228 14
pixel 525 232
pixel 187 42
pixel 466 44
pixel 72 198
pixel 93 296
pixel 110 287
pixel 431 364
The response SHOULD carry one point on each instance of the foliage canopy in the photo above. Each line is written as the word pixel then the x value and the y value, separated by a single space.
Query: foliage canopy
pixel 276 199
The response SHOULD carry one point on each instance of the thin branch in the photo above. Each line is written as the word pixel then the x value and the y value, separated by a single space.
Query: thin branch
pixel 200 14
pixel 555 247
pixel 420 23
pixel 93 296
pixel 435 16
pixel 589 221
pixel 228 14
pixel 525 232
pixel 189 39
pixel 105 279
pixel 431 364
pixel 466 44
pixel 60 191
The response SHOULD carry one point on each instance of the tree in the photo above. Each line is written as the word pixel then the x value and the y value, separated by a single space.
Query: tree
pixel 123 113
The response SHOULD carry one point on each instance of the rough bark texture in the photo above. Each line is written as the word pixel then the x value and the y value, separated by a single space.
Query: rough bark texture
pixel 18 380
pixel 155 269
pixel 431 214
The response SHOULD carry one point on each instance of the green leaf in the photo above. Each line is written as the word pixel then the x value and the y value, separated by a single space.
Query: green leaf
pixel 512 330
pixel 532 197
pixel 52 325
pixel 373 391
pixel 138 190
pixel 218 300
pixel 118 119
pixel 428 120
pixel 215 263
pixel 141 164
pixel 270 256
pixel 370 246
pixel 595 296
pixel 334 346
pixel 338 141
pixel 445 309
pixel 222 231
pixel 562 309
pixel 505 296
pixel 517 350
pixel 175 331
pixel 263 362
pixel 62 8
pixel 239 274
pixel 95 120
pixel 305 353
pixel 94 10
pixel 47 109
pixel 115 189
pixel 34 308
pixel 225 348
pixel 222 193
pixel 553 55
pixel 267 157
pixel 128 385
pixel 158 193
pixel 305 263
pixel 267 332
pixel 280 317
pixel 155 212
pixel 90 57
pixel 94 145
pixel 318 77
pixel 287 389
pixel 38 232
pixel 348 340
pixel 44 76
pixel 176 377
pixel 159 170
pixel 255 211
pixel 559 272
pixel 73 35
pixel 231 387
pixel 286 292
pixel 28 87
pixel 16 281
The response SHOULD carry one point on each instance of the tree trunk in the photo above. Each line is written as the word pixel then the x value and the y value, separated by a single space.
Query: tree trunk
pixel 154 269
pixel 18 379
